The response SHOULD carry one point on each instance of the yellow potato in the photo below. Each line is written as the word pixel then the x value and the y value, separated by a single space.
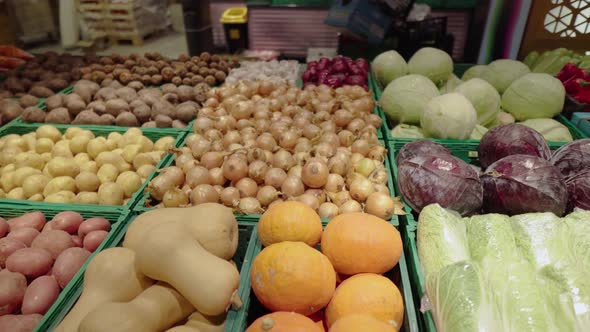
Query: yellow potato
pixel 129 182
pixel 164 143
pixel 63 196
pixel 16 193
pixel 44 145
pixel 35 184
pixel 81 158
pixel 71 132
pixel 62 149
pixel 109 157
pixel 46 156
pixel 31 140
pixel 145 170
pixel 87 181
pixel 60 166
pixel 110 193
pixel 95 146
pixel 29 158
pixel 79 143
pixel 21 174
pixel 8 154
pixel 107 173
pixel 130 151
pixel 7 181
pixel 89 166
pixel 17 141
pixel 144 159
pixel 36 198
pixel 49 132
pixel 8 168
pixel 60 183
pixel 85 197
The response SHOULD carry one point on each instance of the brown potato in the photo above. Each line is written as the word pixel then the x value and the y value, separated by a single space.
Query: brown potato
pixel 30 262
pixel 12 291
pixel 40 295
pixel 58 115
pixel 25 235
pixel 34 220
pixel 107 119
pixel 97 106
pixel 116 106
pixel 54 102
pixel 104 94
pixel 126 93
pixel 68 263
pixel 33 114
pixel 127 119
pixel 87 117
pixel 28 100
pixel 41 92
pixel 163 121
pixel 54 241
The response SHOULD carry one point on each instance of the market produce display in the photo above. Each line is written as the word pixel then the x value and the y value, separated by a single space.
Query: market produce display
pixel 423 99
pixel 272 143
pixel 131 288
pixel 519 175
pixel 131 106
pixel 494 272
pixel 337 72
pixel 273 71
pixel 38 258
pixel 43 75
pixel 77 166
pixel 342 280
pixel 155 69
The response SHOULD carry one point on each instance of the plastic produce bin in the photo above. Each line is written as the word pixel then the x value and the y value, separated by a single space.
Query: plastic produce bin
pixel 252 309
pixel 235 24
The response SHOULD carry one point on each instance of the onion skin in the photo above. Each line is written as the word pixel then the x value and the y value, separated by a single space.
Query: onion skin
pixel 204 193
pixel 267 195
pixel 380 205
pixel 328 210
pixel 275 177
pixel 249 205
pixel 230 197
pixel 315 173
pixel 350 206
pixel 247 187
pixel 292 187
pixel 235 169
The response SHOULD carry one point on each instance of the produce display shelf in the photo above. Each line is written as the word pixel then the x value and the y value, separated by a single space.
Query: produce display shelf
pixel 169 161
pixel 72 290
pixel 252 309
pixel 152 134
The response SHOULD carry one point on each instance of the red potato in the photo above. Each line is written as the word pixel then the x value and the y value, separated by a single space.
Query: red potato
pixel 34 220
pixel 68 263
pixel 93 224
pixel 77 241
pixel 30 262
pixel 48 226
pixel 19 323
pixel 7 247
pixel 40 295
pixel 54 241
pixel 12 291
pixel 67 221
pixel 4 228
pixel 93 239
pixel 25 235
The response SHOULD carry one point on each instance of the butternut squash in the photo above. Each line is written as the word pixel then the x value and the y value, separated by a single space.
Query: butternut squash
pixel 111 276
pixel 211 224
pixel 169 252
pixel 206 323
pixel 156 309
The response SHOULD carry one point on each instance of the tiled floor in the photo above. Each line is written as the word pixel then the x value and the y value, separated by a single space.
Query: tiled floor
pixel 169 44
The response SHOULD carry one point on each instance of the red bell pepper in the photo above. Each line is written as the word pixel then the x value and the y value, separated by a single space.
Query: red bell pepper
pixel 574 86
pixel 14 52
pixel 583 96
pixel 570 71
pixel 10 63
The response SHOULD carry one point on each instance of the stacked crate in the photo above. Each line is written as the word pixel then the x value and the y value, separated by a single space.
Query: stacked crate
pixel 92 18
pixel 133 20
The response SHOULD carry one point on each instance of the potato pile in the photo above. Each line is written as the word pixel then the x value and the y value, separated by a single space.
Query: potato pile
pixel 256 143
pixel 77 167
pixel 155 69
pixel 45 75
pixel 38 259
pixel 129 106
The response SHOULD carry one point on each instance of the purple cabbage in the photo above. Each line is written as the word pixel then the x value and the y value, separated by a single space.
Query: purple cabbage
pixel 521 184
pixel 420 147
pixel 573 157
pixel 578 188
pixel 440 178
pixel 510 139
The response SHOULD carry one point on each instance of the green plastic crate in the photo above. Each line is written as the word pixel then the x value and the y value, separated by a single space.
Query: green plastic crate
pixel 252 309
pixel 64 300
pixel 242 258
pixel 151 133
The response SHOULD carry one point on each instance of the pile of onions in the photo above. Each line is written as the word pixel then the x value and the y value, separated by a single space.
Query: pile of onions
pixel 257 143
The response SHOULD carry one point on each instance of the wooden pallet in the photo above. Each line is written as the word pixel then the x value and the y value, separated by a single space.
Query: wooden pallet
pixel 127 24
pixel 136 38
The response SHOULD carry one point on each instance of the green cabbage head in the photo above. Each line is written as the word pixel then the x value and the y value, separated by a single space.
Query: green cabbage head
pixel 501 73
pixel 474 72
pixel 404 99
pixel 534 96
pixel 551 130
pixel 433 63
pixel 449 116
pixel 388 66
pixel 484 98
